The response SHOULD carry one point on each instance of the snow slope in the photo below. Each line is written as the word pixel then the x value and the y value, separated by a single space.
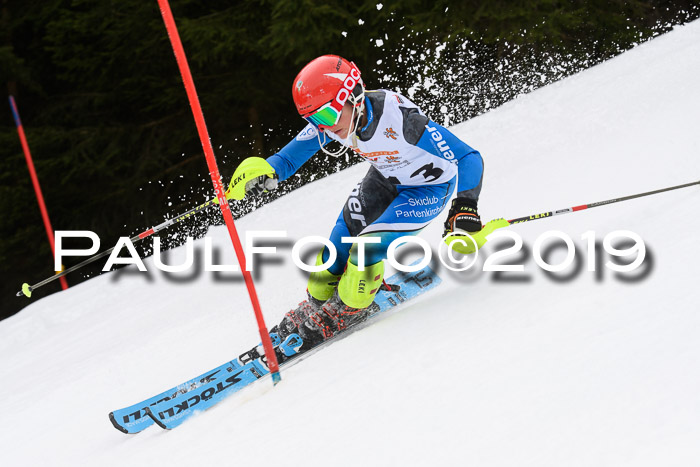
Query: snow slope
pixel 513 369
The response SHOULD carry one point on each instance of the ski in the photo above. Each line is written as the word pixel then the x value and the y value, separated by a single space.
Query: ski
pixel 170 408
pixel 170 413
pixel 134 418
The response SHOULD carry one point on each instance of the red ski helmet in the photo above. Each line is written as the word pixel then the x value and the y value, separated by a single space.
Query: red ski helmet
pixel 328 79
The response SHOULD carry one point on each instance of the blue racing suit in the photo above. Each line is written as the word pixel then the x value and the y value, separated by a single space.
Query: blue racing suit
pixel 416 167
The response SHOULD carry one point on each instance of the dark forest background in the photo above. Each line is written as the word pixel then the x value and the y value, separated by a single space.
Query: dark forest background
pixel 112 135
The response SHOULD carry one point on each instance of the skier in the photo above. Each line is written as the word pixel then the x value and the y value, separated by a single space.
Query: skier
pixel 416 165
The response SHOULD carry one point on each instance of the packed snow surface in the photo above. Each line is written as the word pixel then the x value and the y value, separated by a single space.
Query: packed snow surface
pixel 518 368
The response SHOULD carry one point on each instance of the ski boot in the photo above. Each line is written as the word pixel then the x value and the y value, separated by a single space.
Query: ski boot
pixel 351 303
pixel 293 319
pixel 333 317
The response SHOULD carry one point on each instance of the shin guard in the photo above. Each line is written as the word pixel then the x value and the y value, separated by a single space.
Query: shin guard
pixel 357 288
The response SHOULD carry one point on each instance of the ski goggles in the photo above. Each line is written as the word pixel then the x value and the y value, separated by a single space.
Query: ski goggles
pixel 326 116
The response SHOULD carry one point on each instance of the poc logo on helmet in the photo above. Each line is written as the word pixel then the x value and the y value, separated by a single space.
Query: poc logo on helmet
pixel 348 86
pixel 441 143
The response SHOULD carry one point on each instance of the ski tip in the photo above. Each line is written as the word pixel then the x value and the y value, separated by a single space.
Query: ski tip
pixel 155 419
pixel 117 425
pixel 26 290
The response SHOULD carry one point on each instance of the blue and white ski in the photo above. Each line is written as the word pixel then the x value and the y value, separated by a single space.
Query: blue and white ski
pixel 134 418
pixel 171 408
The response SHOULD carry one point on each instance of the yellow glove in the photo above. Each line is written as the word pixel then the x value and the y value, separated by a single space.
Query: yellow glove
pixel 253 176
pixel 465 245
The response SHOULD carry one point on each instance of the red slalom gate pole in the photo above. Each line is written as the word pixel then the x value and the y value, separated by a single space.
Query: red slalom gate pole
pixel 35 182
pixel 216 180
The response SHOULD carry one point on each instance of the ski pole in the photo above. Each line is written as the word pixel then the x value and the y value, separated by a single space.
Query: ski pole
pixel 28 289
pixel 479 237
pixel 595 205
